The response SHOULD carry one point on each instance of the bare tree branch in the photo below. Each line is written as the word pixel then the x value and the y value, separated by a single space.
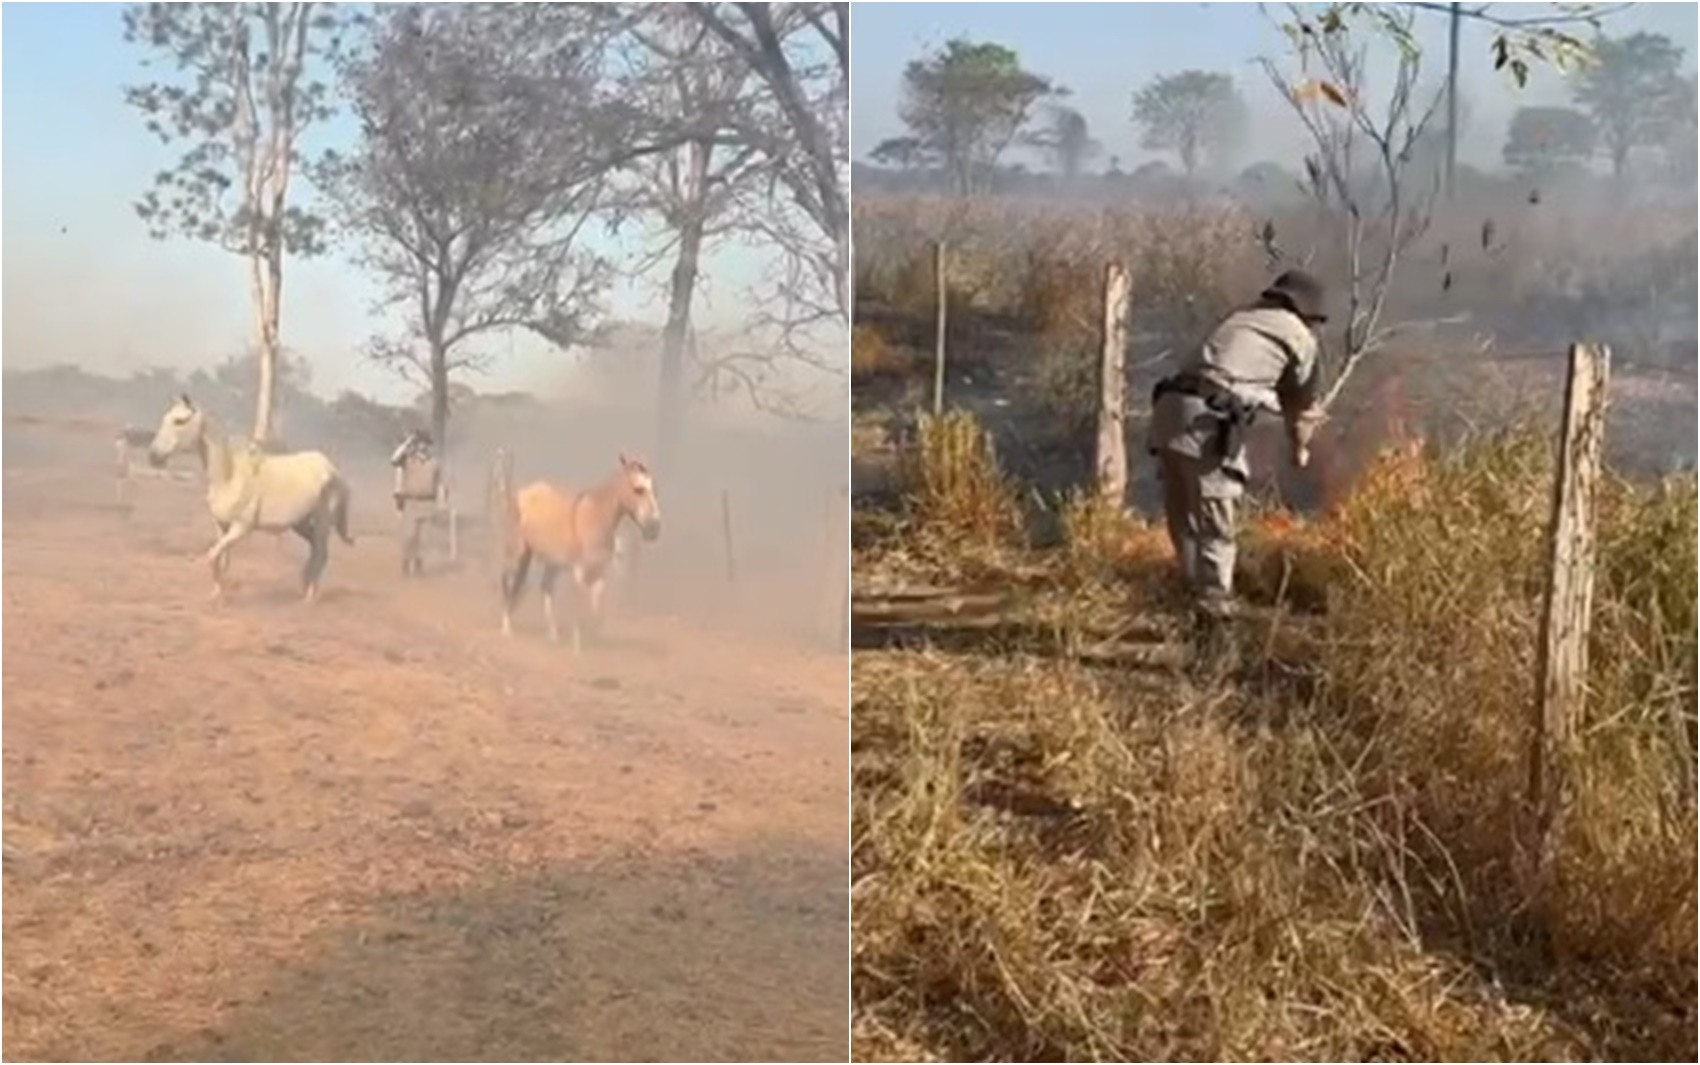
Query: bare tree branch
pixel 1360 173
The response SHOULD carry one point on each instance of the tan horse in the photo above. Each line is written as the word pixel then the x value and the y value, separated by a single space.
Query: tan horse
pixel 574 530
pixel 249 490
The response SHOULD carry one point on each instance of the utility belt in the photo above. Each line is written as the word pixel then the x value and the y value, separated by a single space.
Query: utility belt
pixel 1233 415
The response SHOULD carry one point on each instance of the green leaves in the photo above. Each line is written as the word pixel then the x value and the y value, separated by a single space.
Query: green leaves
pixel 1520 42
pixel 1194 113
pixel 238 102
pixel 1633 89
pixel 968 101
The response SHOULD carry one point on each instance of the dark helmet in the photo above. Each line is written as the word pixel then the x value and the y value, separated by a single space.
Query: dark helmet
pixel 1300 293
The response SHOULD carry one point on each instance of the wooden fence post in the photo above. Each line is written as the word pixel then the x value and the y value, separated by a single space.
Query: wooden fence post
pixel 1112 386
pixel 445 498
pixel 726 530
pixel 1562 657
pixel 124 471
pixel 498 492
pixel 941 288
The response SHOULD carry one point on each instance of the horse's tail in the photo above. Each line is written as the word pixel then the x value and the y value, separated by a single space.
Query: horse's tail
pixel 336 489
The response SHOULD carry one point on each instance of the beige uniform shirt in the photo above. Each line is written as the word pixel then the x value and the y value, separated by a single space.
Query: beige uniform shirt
pixel 1264 355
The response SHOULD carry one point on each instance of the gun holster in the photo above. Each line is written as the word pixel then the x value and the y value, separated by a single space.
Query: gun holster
pixel 1233 415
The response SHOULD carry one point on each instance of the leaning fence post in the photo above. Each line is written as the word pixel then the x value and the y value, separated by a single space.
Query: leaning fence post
pixel 1562 656
pixel 941 289
pixel 1112 386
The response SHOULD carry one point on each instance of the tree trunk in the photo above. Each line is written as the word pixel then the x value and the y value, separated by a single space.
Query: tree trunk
pixel 440 397
pixel 670 407
pixel 267 277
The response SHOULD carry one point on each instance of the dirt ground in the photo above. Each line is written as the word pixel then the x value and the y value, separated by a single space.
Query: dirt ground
pixel 373 829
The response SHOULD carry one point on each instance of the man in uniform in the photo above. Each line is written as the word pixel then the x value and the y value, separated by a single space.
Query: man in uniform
pixel 419 481
pixel 1260 359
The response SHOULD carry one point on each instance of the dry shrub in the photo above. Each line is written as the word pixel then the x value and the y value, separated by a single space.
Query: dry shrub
pixel 1431 662
pixel 873 357
pixel 953 487
pixel 1105 541
pixel 895 242
pixel 1063 301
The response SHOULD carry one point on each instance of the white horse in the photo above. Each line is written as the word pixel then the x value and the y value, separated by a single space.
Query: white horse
pixel 249 490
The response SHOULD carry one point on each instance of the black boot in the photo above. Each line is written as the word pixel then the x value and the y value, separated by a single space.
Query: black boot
pixel 1214 651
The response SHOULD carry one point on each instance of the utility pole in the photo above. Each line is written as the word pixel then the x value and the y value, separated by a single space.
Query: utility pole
pixel 1452 100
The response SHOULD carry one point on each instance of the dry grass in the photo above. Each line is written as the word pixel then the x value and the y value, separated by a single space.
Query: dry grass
pixel 1053 862
pixel 1026 289
pixel 873 357
pixel 955 492
pixel 1044 272
pixel 1431 659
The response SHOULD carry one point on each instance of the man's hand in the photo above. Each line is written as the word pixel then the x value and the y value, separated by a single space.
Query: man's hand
pixel 1301 427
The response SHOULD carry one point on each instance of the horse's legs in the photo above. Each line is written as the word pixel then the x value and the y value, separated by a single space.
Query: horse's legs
pixel 590 594
pixel 513 583
pixel 218 554
pixel 595 590
pixel 547 580
pixel 317 532
pixel 223 564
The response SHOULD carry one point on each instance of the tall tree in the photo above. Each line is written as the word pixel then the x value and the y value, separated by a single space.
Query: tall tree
pixel 242 97
pixel 800 53
pixel 967 103
pixel 1630 91
pixel 697 191
pixel 1680 146
pixel 487 137
pixel 1066 140
pixel 904 153
pixel 1541 140
pixel 1194 114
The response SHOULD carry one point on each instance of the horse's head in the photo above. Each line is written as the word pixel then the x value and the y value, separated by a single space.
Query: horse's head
pixel 637 496
pixel 179 430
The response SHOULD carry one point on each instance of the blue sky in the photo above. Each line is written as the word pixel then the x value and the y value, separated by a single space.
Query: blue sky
pixel 1102 52
pixel 85 283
